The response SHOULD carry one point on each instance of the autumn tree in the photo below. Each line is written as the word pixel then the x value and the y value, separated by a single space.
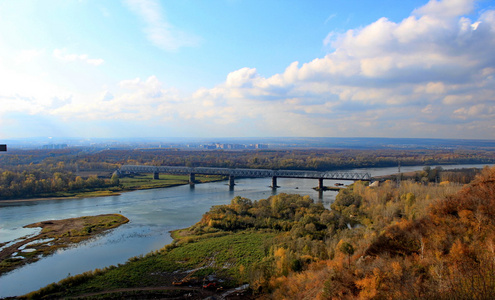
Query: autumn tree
pixel 347 249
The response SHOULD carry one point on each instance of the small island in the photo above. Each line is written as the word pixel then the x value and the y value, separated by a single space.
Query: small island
pixel 54 235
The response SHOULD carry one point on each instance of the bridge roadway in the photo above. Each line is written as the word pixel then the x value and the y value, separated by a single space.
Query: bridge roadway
pixel 232 173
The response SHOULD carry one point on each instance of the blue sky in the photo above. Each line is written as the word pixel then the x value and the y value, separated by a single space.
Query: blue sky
pixel 232 68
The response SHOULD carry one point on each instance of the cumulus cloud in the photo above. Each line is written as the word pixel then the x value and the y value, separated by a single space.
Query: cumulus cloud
pixel 62 55
pixel 429 75
pixel 445 9
pixel 431 68
pixel 158 31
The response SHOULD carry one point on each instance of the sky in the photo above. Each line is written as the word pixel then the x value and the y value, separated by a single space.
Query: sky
pixel 239 68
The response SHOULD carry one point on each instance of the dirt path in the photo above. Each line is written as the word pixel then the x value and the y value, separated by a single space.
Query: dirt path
pixel 173 292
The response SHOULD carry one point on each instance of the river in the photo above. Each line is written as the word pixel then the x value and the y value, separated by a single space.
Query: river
pixel 152 214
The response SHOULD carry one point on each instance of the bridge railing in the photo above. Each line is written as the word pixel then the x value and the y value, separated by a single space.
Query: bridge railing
pixel 246 172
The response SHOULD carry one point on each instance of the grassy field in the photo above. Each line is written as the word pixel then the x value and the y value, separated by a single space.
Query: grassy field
pixel 146 181
pixel 224 256
pixel 135 182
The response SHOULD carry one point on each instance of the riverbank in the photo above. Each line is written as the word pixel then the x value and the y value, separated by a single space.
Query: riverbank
pixel 54 235
pixel 193 267
pixel 127 184
pixel 228 257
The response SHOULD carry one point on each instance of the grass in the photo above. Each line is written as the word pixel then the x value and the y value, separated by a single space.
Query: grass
pixel 146 181
pixel 225 256
pixel 226 252
pixel 135 182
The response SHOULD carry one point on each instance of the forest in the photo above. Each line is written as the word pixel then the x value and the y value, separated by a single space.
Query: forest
pixel 398 240
pixel 412 242
pixel 41 182
pixel 44 173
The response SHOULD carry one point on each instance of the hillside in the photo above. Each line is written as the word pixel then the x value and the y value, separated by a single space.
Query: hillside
pixel 447 252
pixel 394 242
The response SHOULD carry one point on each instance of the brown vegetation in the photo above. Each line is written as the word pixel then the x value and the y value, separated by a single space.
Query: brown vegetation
pixel 433 247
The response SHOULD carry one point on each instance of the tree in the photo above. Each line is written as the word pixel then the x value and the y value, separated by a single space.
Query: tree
pixel 115 179
pixel 346 248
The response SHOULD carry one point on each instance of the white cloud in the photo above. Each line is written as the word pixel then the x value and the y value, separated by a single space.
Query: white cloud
pixel 62 55
pixel 429 75
pixel 422 70
pixel 241 78
pixel 476 112
pixel 158 31
pixel 445 8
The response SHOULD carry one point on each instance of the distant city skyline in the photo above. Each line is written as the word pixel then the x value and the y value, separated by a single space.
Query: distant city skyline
pixel 233 68
pixel 251 143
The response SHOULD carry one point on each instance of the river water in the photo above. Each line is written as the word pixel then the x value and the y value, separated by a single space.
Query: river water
pixel 152 214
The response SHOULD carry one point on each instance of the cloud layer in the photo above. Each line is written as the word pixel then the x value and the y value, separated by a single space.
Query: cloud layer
pixel 429 75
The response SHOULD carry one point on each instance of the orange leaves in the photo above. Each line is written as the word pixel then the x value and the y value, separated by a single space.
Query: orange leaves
pixel 466 216
pixel 413 251
pixel 459 251
pixel 369 285
pixel 397 269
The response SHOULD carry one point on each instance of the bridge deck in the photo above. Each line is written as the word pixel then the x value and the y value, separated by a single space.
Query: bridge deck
pixel 246 172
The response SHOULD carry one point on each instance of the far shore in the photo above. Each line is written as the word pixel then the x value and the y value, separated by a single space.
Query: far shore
pixel 56 198
pixel 141 184
pixel 145 179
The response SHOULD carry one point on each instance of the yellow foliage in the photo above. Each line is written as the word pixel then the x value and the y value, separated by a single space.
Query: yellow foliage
pixel 368 287
pixel 466 215
pixel 396 269
pixel 280 252
pixel 443 237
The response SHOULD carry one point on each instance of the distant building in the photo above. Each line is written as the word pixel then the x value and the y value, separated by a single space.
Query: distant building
pixel 209 147
pixel 233 146
pixel 54 146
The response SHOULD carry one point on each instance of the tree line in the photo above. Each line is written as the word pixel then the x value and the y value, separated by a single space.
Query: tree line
pixel 75 159
pixel 39 183
pixel 30 173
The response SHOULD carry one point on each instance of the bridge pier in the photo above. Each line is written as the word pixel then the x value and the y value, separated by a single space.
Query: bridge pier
pixel 274 182
pixel 244 173
pixel 320 184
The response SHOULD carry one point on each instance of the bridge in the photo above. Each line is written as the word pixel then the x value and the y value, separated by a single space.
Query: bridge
pixel 233 173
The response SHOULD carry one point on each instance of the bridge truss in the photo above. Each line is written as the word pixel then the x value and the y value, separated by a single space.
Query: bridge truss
pixel 191 171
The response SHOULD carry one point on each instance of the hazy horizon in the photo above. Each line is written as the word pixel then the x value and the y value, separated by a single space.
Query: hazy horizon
pixel 223 68
pixel 246 143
